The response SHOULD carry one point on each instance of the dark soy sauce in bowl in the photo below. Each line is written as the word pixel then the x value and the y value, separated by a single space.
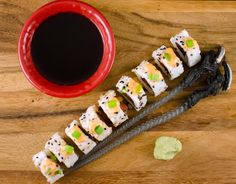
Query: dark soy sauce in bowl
pixel 67 48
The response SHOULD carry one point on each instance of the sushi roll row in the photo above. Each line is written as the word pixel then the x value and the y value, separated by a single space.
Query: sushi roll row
pixel 56 151
pixel 169 63
pixel 96 123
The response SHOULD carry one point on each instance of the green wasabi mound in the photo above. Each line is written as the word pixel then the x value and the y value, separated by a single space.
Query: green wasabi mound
pixel 166 148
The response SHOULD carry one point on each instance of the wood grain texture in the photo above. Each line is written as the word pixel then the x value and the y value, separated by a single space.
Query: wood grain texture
pixel 208 131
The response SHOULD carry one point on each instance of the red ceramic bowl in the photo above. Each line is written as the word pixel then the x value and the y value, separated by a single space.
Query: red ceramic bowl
pixel 24 48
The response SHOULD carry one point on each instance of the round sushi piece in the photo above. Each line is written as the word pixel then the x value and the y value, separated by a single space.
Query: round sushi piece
pixel 65 153
pixel 91 122
pixel 132 91
pixel 150 77
pixel 112 108
pixel 48 166
pixel 187 48
pixel 84 143
pixel 168 62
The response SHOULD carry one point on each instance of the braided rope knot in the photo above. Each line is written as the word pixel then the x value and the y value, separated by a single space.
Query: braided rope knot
pixel 209 65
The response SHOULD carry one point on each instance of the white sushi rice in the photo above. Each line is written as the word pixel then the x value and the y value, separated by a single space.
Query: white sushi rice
pixel 192 55
pixel 154 87
pixel 116 116
pixel 39 157
pixel 55 145
pixel 169 70
pixel 38 161
pixel 85 144
pixel 90 119
pixel 138 101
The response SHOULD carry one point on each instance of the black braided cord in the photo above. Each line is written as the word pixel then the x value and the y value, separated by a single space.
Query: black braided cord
pixel 216 84
pixel 208 66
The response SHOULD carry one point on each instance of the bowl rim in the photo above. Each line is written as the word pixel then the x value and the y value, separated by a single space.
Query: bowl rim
pixel 24 48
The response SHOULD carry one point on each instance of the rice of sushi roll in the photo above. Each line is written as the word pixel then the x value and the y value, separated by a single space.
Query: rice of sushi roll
pixel 65 153
pixel 84 143
pixel 132 91
pixel 150 77
pixel 91 122
pixel 187 48
pixel 112 108
pixel 48 166
pixel 168 62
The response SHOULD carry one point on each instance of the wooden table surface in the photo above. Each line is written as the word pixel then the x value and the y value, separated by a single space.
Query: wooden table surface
pixel 208 131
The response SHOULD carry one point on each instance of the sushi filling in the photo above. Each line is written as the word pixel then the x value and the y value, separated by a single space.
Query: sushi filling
pixel 146 85
pixel 103 115
pixel 50 168
pixel 181 50
pixel 129 100
pixel 164 69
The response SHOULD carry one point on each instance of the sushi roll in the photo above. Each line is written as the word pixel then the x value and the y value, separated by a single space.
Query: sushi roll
pixel 64 152
pixel 91 122
pixel 84 143
pixel 150 77
pixel 111 106
pixel 48 166
pixel 168 62
pixel 187 48
pixel 132 91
